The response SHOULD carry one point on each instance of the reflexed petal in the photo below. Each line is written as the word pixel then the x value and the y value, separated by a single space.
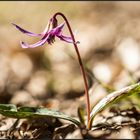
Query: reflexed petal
pixel 66 39
pixel 25 31
pixel 39 43
pixel 24 45
pixel 56 31
pixel 47 27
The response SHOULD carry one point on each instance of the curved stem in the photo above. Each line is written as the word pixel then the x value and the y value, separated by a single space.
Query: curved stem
pixel 81 66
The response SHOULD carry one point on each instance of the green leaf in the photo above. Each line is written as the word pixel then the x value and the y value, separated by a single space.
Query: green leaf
pixel 113 98
pixel 12 111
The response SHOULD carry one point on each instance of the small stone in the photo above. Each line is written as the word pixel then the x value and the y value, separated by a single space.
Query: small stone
pixel 23 98
pixel 75 135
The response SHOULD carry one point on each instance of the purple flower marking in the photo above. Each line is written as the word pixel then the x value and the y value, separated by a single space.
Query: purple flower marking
pixel 26 32
pixel 48 35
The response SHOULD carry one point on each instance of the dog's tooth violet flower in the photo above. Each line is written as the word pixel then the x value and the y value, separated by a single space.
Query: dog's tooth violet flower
pixel 48 35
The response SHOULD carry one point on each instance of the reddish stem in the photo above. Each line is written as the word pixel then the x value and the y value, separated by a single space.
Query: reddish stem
pixel 81 66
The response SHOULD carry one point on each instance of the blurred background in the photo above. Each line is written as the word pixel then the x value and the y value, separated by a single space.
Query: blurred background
pixel 50 76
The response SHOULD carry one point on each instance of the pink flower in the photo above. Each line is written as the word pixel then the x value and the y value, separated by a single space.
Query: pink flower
pixel 48 35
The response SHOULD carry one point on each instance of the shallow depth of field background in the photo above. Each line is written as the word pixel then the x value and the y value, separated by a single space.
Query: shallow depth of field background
pixel 109 35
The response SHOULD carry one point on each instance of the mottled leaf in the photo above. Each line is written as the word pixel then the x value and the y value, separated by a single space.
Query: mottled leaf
pixel 12 111
pixel 113 98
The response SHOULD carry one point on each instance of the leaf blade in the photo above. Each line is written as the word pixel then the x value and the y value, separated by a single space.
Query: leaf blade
pixel 12 111
pixel 113 98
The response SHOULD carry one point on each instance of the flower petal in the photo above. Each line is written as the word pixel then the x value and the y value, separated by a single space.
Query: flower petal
pixel 56 31
pixel 39 43
pixel 25 31
pixel 46 28
pixel 66 39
